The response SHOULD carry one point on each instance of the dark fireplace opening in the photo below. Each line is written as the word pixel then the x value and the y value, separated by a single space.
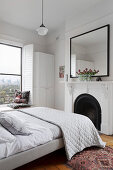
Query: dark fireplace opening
pixel 88 105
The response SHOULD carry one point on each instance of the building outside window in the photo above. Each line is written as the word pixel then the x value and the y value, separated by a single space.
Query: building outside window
pixel 10 72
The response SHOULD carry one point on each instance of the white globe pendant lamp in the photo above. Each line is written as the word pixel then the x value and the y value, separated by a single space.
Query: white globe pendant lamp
pixel 42 30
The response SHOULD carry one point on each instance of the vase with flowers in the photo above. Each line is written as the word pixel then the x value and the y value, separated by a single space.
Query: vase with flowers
pixel 86 75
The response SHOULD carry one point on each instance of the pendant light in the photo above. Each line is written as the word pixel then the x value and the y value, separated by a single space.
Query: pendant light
pixel 42 30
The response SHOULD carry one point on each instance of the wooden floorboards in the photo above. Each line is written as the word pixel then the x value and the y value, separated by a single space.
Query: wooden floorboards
pixel 108 140
pixel 57 160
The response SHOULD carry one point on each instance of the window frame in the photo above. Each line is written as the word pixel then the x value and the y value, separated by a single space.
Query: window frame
pixel 20 64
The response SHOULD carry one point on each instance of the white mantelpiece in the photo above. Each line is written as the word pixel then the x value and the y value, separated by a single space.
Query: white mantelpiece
pixel 102 91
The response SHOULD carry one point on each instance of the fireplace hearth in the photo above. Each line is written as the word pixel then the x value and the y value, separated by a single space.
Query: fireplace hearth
pixel 88 105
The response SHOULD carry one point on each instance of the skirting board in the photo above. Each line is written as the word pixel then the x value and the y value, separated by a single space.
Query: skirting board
pixel 25 157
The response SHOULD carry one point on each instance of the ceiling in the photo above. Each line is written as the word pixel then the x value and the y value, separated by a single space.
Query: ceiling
pixel 27 13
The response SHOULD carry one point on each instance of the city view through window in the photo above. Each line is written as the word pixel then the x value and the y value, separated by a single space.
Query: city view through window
pixel 10 72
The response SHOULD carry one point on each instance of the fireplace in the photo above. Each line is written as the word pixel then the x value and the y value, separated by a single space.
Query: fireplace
pixel 97 96
pixel 88 105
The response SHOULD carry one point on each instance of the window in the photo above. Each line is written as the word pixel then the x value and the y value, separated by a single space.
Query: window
pixel 10 72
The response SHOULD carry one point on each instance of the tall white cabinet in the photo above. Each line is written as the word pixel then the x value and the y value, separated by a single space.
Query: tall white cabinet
pixel 43 79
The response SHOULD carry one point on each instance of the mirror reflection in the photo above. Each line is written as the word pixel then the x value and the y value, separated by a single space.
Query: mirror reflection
pixel 90 50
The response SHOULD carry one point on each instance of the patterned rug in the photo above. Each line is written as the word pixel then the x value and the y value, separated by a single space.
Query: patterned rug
pixel 93 159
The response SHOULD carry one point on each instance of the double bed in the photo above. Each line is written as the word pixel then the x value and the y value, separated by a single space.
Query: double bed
pixel 50 130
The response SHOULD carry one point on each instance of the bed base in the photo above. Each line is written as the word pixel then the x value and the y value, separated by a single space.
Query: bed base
pixel 25 157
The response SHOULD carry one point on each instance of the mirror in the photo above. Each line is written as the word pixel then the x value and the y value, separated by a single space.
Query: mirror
pixel 90 50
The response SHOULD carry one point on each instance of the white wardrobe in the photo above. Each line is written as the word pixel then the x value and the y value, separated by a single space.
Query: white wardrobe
pixel 43 79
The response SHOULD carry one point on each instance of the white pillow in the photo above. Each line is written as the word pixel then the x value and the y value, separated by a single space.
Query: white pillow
pixel 5 136
pixel 14 125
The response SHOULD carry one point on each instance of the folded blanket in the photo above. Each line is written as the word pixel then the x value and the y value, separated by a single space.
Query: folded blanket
pixel 78 130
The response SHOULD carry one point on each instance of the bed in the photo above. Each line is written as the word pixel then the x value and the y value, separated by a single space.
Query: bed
pixel 51 130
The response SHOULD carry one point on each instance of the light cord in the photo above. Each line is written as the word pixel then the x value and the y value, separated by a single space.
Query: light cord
pixel 42 11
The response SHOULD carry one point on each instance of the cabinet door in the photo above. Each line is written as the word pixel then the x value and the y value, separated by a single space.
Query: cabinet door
pixel 50 97
pixel 36 96
pixel 43 70
pixel 50 71
pixel 45 82
pixel 42 97
pixel 50 81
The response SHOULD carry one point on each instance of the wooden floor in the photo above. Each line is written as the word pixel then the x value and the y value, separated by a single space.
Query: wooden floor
pixel 57 160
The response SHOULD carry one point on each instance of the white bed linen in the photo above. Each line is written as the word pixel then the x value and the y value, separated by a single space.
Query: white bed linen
pixel 5 136
pixel 78 131
pixel 57 133
pixel 42 132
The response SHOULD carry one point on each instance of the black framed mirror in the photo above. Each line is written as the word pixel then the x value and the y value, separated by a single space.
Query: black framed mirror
pixel 90 50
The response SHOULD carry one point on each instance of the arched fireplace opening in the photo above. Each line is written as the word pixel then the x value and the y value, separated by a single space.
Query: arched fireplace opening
pixel 88 105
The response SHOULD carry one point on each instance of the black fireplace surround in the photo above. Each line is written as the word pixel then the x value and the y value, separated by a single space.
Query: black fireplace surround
pixel 88 105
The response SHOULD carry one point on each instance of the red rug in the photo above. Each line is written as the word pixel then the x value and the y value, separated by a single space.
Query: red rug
pixel 93 159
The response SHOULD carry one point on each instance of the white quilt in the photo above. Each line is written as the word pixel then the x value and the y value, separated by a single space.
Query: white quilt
pixel 78 131
pixel 12 144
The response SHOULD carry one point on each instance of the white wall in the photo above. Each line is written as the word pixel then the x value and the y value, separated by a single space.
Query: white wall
pixel 100 22
pixel 99 16
pixel 20 35
pixel 94 18
pixel 57 48
pixel 87 22
pixel 14 34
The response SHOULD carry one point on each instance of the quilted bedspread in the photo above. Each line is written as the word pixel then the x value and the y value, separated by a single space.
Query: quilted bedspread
pixel 78 130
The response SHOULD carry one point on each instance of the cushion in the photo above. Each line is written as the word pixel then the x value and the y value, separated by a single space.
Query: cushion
pixel 25 95
pixel 17 100
pixel 21 97
pixel 14 125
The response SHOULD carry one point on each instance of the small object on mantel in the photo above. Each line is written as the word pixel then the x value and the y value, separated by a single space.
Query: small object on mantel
pixel 98 79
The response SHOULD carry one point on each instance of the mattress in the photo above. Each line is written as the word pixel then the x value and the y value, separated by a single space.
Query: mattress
pixel 23 143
